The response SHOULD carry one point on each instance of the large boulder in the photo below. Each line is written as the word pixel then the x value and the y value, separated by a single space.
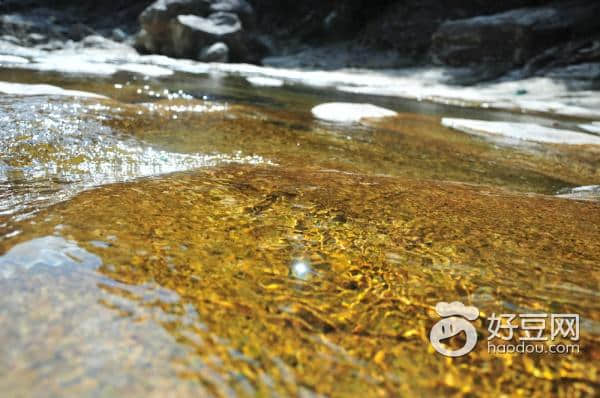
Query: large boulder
pixel 190 34
pixel 404 27
pixel 155 19
pixel 188 29
pixel 510 39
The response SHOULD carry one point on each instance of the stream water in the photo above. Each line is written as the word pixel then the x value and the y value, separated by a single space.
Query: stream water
pixel 197 235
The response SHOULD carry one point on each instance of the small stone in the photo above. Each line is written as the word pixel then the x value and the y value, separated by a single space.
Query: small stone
pixel 119 35
pixel 36 38
pixel 217 52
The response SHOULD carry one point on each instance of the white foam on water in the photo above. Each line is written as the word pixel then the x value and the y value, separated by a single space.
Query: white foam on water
pixel 71 64
pixel 593 127
pixel 95 68
pixel 342 112
pixel 146 70
pixel 42 89
pixel 539 94
pixel 521 131
pixel 12 59
pixel 587 192
pixel 265 81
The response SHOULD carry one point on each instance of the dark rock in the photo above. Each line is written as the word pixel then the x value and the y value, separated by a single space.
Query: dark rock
pixel 190 33
pixel 79 31
pixel 514 37
pixel 404 26
pixel 588 71
pixel 239 7
pixel 337 56
pixel 156 18
pixel 476 73
pixel 39 21
pixel 186 28
pixel 582 51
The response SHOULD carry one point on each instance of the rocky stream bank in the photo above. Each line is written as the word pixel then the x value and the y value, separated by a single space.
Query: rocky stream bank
pixel 515 39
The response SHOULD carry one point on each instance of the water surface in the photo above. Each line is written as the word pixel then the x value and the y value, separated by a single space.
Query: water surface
pixel 199 236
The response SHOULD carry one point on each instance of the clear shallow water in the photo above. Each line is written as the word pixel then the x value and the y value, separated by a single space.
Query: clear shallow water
pixel 214 236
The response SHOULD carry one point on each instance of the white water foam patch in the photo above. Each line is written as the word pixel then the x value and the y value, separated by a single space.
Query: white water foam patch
pixel 593 127
pixel 342 112
pixel 540 94
pixel 70 65
pixel 80 60
pixel 78 65
pixel 265 81
pixel 42 89
pixel 521 131
pixel 146 70
pixel 588 192
pixel 12 59
pixel 55 149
